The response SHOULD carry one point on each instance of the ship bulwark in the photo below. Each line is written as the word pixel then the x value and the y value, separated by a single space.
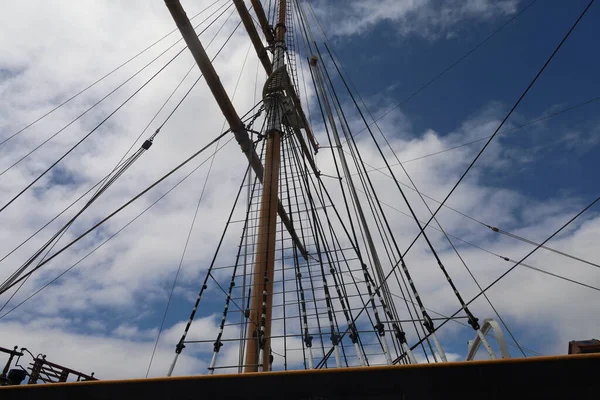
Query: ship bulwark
pixel 565 377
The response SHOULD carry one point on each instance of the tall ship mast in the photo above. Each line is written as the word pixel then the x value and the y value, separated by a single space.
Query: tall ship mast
pixel 325 257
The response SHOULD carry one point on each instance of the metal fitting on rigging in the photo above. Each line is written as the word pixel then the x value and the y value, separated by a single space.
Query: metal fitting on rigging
pixel 400 335
pixel 428 324
pixel 180 346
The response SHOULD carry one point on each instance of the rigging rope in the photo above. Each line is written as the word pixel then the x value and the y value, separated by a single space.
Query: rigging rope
pixel 195 212
pixel 126 165
pixel 118 164
pixel 491 227
pixel 438 76
pixel 499 127
pixel 96 127
pixel 503 132
pixel 504 258
pixel 358 163
pixel 102 78
pixel 473 321
pixel 521 97
pixel 113 235
pixel 429 322
pixel 120 208
pixel 181 344
pixel 523 259
pixel 218 343
pixel 306 336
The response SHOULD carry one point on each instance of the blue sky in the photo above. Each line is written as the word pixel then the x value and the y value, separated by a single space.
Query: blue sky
pixel 384 63
pixel 529 181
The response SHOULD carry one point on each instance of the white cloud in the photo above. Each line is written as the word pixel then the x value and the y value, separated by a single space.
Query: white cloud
pixel 426 18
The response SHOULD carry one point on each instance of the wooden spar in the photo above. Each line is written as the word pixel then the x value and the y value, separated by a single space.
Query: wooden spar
pixel 262 20
pixel 253 33
pixel 220 95
pixel 259 334
pixel 264 59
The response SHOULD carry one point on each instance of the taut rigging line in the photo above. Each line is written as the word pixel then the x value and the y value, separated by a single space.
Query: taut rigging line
pixel 140 194
pixel 97 126
pixel 477 157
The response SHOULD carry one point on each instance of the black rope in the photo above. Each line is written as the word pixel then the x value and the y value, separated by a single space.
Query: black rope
pixel 120 208
pixel 195 212
pixel 218 343
pixel 491 227
pixel 481 151
pixel 180 345
pixel 281 235
pixel 306 336
pixel 378 220
pixel 322 247
pixel 502 132
pixel 113 235
pixel 94 105
pixel 524 258
pixel 346 173
pixel 473 321
pixel 302 175
pixel 374 324
pixel 405 269
pixel 442 73
pixel 521 97
pixel 102 78
pixel 428 322
pixel 104 186
pixel 145 146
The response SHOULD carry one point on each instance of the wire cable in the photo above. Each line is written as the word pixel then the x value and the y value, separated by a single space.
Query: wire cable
pixel 106 96
pixel 503 132
pixel 189 235
pixel 105 185
pixel 100 79
pixel 442 73
pixel 113 235
pixel 89 133
pixel 522 259
pixel 521 97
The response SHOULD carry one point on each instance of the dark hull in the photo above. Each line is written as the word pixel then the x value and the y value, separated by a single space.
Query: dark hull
pixel 566 377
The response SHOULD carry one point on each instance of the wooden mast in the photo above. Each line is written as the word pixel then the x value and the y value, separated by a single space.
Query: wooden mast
pixel 259 332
